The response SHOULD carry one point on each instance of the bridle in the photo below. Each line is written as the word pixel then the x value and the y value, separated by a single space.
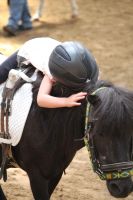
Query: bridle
pixel 111 171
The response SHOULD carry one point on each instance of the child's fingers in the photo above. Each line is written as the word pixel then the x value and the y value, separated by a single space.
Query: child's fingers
pixel 75 98
pixel 78 98
pixel 77 104
pixel 82 93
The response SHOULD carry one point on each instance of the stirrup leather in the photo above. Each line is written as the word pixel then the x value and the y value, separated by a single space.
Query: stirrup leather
pixel 9 90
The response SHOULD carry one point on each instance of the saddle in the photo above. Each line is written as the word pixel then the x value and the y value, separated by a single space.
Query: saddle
pixel 15 77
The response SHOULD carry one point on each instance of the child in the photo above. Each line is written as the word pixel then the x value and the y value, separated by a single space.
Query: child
pixel 69 63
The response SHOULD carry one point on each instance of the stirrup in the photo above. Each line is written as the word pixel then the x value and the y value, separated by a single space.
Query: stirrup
pixel 14 75
pixel 12 78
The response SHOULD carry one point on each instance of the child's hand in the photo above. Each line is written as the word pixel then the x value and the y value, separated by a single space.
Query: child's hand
pixel 73 99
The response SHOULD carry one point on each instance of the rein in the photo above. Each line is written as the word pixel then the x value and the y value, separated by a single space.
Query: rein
pixel 108 171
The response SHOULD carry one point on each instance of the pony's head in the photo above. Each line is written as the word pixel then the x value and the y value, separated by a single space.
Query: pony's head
pixel 111 137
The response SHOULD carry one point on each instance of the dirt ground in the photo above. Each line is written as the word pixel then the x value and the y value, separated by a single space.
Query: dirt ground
pixel 106 27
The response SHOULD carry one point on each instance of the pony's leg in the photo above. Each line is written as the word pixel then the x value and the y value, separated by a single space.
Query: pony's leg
pixel 53 183
pixel 39 185
pixel 39 10
pixel 74 7
pixel 2 196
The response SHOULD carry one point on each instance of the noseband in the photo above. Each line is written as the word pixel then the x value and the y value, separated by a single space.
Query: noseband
pixel 111 171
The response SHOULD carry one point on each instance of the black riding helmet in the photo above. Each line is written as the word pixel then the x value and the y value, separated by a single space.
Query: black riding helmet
pixel 73 65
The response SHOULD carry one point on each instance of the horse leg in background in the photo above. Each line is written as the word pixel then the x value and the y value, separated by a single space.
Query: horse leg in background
pixel 2 196
pixel 39 11
pixel 39 184
pixel 53 183
pixel 74 7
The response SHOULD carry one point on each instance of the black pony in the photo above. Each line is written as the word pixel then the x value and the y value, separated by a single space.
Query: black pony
pixel 51 138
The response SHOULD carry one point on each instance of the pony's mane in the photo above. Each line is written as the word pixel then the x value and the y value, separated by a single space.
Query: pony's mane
pixel 113 109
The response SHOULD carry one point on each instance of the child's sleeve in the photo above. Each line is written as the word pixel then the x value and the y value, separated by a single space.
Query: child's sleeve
pixel 7 65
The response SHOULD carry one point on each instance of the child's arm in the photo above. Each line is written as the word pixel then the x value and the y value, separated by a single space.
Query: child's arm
pixel 48 101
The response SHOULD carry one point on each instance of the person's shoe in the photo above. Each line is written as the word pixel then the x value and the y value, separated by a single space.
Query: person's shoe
pixel 22 28
pixel 10 30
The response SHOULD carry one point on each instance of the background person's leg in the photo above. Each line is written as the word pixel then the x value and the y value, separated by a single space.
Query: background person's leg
pixel 26 17
pixel 15 9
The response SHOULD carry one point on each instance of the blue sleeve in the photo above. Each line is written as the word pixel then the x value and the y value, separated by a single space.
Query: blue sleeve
pixel 7 65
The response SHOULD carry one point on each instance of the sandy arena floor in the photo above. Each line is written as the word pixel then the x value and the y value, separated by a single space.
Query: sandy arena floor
pixel 106 27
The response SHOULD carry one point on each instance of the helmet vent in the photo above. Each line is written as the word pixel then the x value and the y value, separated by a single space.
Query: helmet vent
pixel 86 63
pixel 62 52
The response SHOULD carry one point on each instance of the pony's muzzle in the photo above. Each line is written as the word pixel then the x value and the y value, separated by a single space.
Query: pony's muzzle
pixel 120 188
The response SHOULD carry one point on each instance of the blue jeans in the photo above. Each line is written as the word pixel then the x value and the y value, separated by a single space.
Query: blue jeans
pixel 19 14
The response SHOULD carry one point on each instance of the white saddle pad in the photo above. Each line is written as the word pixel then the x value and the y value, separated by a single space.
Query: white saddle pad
pixel 20 108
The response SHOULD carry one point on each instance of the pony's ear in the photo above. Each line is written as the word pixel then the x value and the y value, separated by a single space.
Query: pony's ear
pixel 93 99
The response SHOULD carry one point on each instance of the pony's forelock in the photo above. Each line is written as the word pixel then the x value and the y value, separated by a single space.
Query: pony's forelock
pixel 114 111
